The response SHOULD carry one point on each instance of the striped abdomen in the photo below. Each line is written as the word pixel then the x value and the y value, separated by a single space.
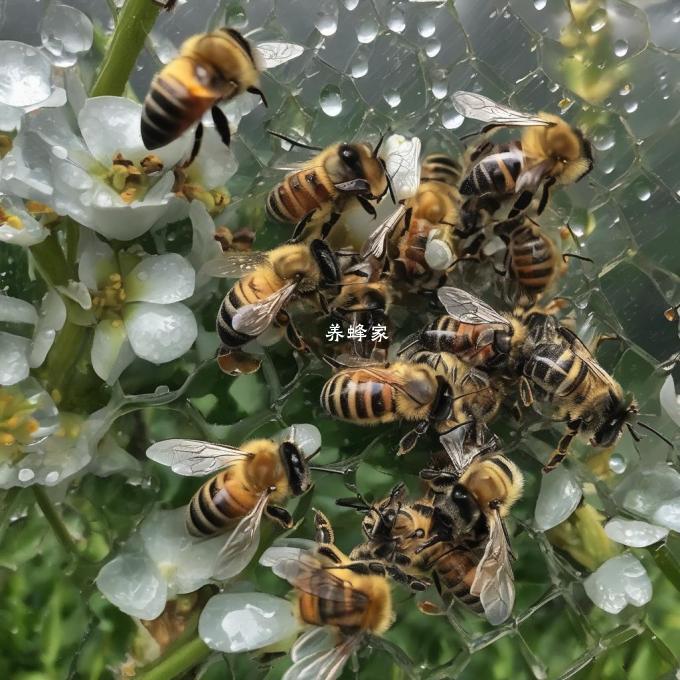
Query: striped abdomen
pixel 495 173
pixel 478 345
pixel 556 369
pixel 355 396
pixel 532 259
pixel 439 167
pixel 321 611
pixel 297 195
pixel 247 290
pixel 476 398
pixel 170 108
pixel 217 506
pixel 454 571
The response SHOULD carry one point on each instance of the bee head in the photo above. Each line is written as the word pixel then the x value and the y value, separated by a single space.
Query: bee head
pixel 295 465
pixel 618 412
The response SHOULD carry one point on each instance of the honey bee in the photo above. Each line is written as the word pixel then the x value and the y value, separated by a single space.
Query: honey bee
pixel 368 394
pixel 210 68
pixel 247 482
pixel 426 248
pixel 483 485
pixel 269 282
pixel 331 590
pixel 549 152
pixel 549 361
pixel 321 188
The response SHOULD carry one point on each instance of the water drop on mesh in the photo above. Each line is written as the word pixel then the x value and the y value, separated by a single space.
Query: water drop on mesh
pixel 392 97
pixel 620 48
pixel 631 106
pixel 359 67
pixel 396 21
pixel 626 90
pixel 52 477
pixel 326 24
pixel 440 88
pixel 330 101
pixel 426 27
pixel 540 4
pixel 350 5
pixel 432 47
pixel 598 20
pixel 366 31
pixel 452 120
pixel 603 138
pixel 643 191
pixel 25 475
pixel 617 464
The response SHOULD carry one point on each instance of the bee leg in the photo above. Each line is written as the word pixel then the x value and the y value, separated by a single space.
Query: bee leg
pixel 414 583
pixel 323 303
pixel 259 93
pixel 521 204
pixel 525 392
pixel 293 336
pixel 279 515
pixel 300 227
pixel 328 224
pixel 198 136
pixel 324 530
pixel 221 124
pixel 546 195
pixel 563 446
pixel 604 338
pixel 409 440
pixel 366 205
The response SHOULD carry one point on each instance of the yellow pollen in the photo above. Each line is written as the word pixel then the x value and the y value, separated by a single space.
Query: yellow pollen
pixel 15 222
pixel 6 439
pixel 32 425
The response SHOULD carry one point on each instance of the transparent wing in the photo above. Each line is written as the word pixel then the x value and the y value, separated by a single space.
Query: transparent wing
pixel 530 178
pixel 233 265
pixel 306 437
pixel 456 443
pixel 241 543
pixel 467 308
pixel 324 664
pixel 274 54
pixel 255 318
pixel 282 553
pixel 376 244
pixel 316 639
pixel 478 107
pixel 584 353
pixel 193 458
pixel 494 583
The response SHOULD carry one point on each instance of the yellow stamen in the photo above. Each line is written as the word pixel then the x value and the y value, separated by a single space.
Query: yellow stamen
pixel 6 439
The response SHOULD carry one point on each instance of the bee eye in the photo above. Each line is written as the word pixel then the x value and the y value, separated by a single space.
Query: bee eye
pixel 349 155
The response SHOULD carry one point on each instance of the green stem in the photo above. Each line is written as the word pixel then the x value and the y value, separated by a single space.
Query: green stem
pixel 178 662
pixel 50 261
pixel 55 521
pixel 134 22
pixel 65 352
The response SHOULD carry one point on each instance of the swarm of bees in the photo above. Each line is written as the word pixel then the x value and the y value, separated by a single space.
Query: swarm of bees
pixel 451 377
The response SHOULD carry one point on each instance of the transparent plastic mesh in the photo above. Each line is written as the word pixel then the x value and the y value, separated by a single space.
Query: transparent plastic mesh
pixel 610 67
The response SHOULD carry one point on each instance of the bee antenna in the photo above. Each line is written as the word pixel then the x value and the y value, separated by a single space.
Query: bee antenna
pixel 379 144
pixel 292 141
pixel 633 433
pixel 312 455
pixel 657 433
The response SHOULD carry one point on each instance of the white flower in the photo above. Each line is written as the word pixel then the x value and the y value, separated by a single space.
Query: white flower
pixel 204 246
pixel 621 580
pixel 19 353
pixel 26 75
pixel 136 302
pixel 162 561
pixel 17 223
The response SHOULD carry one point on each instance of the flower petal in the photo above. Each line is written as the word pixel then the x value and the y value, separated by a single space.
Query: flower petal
pixel 52 319
pixel 14 351
pixel 26 75
pixel 133 583
pixel 161 279
pixel 10 118
pixel 204 246
pixel 14 310
pixel 78 292
pixel 111 351
pixel 160 333
pixel 96 261
pixel 241 622
pixel 111 125
pixel 215 162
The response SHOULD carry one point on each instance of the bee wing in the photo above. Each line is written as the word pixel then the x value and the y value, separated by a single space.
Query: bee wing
pixel 242 542
pixel 457 446
pixel 326 664
pixel 402 164
pixel 584 353
pixel 386 376
pixel 255 318
pixel 494 582
pixel 479 107
pixel 376 244
pixel 193 458
pixel 232 265
pixel 304 436
pixel 467 308
pixel 530 178
pixel 274 54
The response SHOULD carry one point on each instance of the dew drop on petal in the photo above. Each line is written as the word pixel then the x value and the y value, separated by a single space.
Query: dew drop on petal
pixel 621 580
pixel 559 496
pixel 51 477
pixel 634 533
pixel 25 475
pixel 65 32
pixel 330 101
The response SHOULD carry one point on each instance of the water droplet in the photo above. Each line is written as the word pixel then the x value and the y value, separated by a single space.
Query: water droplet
pixel 642 191
pixel 143 276
pixel 617 464
pixel 392 97
pixel 598 20
pixel 540 4
pixel 553 87
pixel 451 119
pixel 359 66
pixel 426 27
pixel 330 101
pixel 620 48
pixel 603 138
pixel 25 475
pixel 631 106
pixel 676 15
pixel 432 47
pixel 59 152
pixel 366 31
pixel 626 90
pixel 52 477
pixel 350 5
pixel 396 21
pixel 439 85
pixel 326 24
pixel 236 17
